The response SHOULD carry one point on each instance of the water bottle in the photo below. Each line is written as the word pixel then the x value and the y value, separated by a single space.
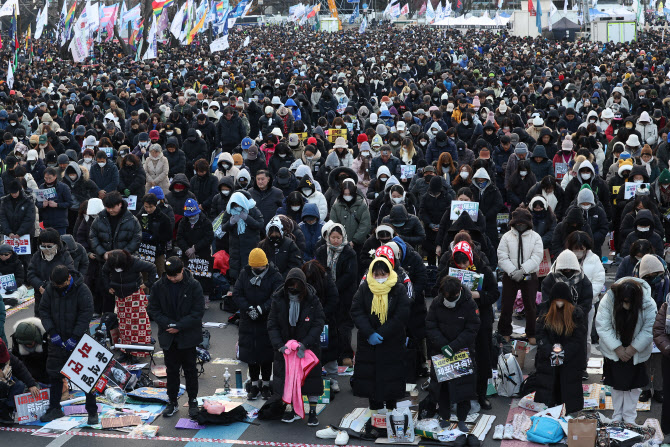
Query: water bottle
pixel 103 329
pixel 115 395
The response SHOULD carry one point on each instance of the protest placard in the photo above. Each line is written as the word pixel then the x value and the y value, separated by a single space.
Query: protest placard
pixel 8 282
pixel 407 171
pixel 471 279
pixel 631 187
pixel 147 252
pixel 44 195
pixel 449 368
pixel 86 363
pixel 21 245
pixel 459 206
pixel 200 267
pixel 132 202
pixel 30 409
pixel 334 134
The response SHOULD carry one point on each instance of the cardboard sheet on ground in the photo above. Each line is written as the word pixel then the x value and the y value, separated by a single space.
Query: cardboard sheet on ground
pixel 56 428
pixel 122 421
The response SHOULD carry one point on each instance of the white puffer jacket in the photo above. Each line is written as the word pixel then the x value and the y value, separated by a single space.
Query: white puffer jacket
pixel 595 272
pixel 508 251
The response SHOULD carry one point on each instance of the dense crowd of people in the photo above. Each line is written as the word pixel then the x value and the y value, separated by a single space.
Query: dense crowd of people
pixel 337 181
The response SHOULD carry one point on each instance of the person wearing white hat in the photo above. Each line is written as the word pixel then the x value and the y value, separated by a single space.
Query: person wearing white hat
pixel 633 145
pixel 536 127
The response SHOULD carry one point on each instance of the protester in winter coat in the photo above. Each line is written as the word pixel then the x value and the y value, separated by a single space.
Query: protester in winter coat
pixel 17 212
pixel 175 157
pixel 307 187
pixel 280 249
pixel 644 229
pixel 105 174
pixel 132 179
pixel 78 253
pixel 558 372
pixel 156 229
pixel 54 212
pixel 65 310
pixel 177 305
pixel 253 295
pixel 380 311
pixel 339 258
pixel 296 314
pixel 243 223
pixel 662 341
pixel 204 185
pixel 519 256
pixel 587 176
pixel 194 148
pixel 540 164
pixel 624 323
pixel 50 254
pixel 82 188
pixel 451 326
pixel 490 202
pixel 434 204
pixel 406 225
pixel 267 197
pixel 156 169
pixel 115 228
pixel 352 212
pixel 310 225
pixel 519 183
pixel 573 221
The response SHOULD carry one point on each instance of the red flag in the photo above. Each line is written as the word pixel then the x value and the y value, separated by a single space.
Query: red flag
pixel 531 8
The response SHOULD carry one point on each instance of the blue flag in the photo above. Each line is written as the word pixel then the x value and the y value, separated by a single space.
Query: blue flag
pixel 538 17
pixel 364 25
pixel 354 15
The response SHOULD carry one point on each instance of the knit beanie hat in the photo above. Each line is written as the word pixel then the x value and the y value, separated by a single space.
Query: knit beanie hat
pixel 238 160
pixel 567 260
pixel 664 177
pixel 560 290
pixel 625 165
pixel 585 196
pixel 567 143
pixel 647 150
pixel 257 258
pixel 650 264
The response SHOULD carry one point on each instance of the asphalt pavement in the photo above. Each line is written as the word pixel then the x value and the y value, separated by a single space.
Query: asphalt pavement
pixel 223 345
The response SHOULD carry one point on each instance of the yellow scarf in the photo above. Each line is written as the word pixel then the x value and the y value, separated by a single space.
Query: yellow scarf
pixel 380 292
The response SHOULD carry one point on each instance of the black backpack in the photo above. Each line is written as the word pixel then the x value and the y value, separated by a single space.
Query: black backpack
pixel 529 385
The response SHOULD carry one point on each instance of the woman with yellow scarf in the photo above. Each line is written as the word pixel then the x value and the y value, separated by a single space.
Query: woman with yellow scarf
pixel 380 311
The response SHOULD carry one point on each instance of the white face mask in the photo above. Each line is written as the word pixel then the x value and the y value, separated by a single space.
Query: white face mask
pixel 579 253
pixel 586 175
pixel 559 304
pixel 282 155
pixel 88 160
pixel 169 132
pixel 348 198
pixel 423 142
pixel 643 229
pixel 585 207
pixel 102 164
pixel 118 270
pixel 637 181
pixel 464 175
pixel 295 208
pixel 396 199
pixel 338 127
pixel 465 123
pixel 626 306
pixel 523 173
pixel 365 154
pixel 73 177
pixel 306 191
pixel 381 280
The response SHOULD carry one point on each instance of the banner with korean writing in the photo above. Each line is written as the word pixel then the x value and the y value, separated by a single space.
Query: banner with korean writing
pixel 147 252
pixel 21 245
pixel 459 207
pixel 86 363
pixel 8 282
pixel 30 409
pixel 449 368
pixel 334 134
pixel 200 267
pixel 631 187
pixel 44 195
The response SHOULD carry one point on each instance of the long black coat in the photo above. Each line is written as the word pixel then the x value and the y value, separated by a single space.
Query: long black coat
pixel 457 328
pixel 380 370
pixel 330 302
pixel 13 266
pixel 205 189
pixel 570 373
pixel 200 236
pixel 17 216
pixel 240 245
pixel 254 340
pixel 306 331
pixel 185 309
pixel 67 315
pixel 39 269
pixel 490 202
pixel 346 272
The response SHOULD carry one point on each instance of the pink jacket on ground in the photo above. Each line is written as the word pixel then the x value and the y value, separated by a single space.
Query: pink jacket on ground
pixel 295 374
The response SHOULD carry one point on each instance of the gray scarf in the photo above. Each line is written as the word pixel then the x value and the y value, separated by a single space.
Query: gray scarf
pixel 293 309
pixel 256 280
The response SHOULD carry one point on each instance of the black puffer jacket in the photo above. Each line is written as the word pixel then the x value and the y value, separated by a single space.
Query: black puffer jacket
pixel 229 133
pixel 412 231
pixel 240 245
pixel 176 160
pixel 219 201
pixel 306 331
pixel 254 340
pixel 200 236
pixel 66 314
pixel 176 199
pixel 13 266
pixel 193 150
pixel 83 188
pixel 183 305
pixel 267 201
pixel 128 281
pixel 284 257
pixel 205 189
pixel 17 215
pixel 39 269
pixel 574 220
pixel 457 328
pixel 127 236
pixel 156 229
pixel 380 370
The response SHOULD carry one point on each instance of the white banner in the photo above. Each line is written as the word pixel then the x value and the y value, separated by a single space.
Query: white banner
pixel 21 245
pixel 86 363
pixel 219 44
pixel 8 8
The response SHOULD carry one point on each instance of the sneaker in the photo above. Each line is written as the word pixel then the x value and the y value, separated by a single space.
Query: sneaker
pixel 327 433
pixel 485 403
pixel 193 409
pixel 312 420
pixel 171 409
pixel 93 419
pixel 266 392
pixel 498 432
pixel 508 432
pixel 342 438
pixel 290 416
pixel 52 414
pixel 334 386
pixel 645 396
pixel 253 392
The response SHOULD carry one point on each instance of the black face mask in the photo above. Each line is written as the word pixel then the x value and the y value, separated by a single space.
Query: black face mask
pixel 293 290
pixel 276 240
pixel 384 241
